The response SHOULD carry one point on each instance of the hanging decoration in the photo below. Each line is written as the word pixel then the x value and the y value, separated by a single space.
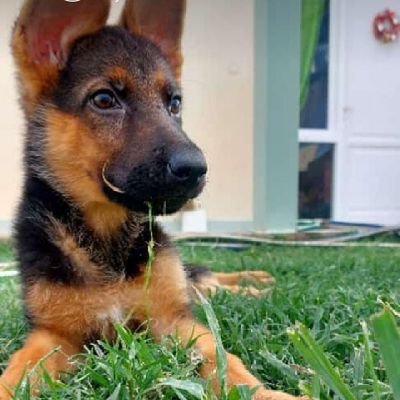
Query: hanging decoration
pixel 386 26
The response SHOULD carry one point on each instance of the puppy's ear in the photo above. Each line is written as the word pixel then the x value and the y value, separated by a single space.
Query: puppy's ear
pixel 42 38
pixel 160 21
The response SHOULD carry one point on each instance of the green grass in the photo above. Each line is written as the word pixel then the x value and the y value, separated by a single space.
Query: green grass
pixel 329 291
pixel 6 251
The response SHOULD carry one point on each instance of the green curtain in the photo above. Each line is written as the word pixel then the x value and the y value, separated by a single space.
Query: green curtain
pixel 311 18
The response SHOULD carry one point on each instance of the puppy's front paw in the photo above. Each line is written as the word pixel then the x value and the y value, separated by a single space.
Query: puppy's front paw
pixel 258 277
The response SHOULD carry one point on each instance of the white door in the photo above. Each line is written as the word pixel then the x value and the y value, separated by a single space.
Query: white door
pixel 367 183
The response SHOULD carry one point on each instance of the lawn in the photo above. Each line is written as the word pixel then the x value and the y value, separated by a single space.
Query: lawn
pixel 330 291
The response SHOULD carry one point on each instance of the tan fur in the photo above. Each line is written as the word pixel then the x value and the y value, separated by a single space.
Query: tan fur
pixel 143 17
pixel 52 350
pixel 206 285
pixel 76 159
pixel 209 285
pixel 34 81
pixel 234 278
pixel 159 79
pixel 105 218
pixel 121 74
pixel 95 308
pixel 89 272
pixel 74 155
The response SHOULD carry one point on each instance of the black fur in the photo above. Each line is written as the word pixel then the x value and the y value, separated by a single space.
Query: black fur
pixel 39 258
pixel 44 199
pixel 145 110
pixel 196 272
pixel 91 55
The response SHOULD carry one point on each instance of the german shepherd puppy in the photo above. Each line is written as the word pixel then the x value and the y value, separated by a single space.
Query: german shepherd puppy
pixel 104 143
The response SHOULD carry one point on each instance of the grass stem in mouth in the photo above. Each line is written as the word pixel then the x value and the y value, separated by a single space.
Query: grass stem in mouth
pixel 150 248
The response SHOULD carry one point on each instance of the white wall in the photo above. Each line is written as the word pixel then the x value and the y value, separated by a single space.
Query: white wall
pixel 11 123
pixel 218 83
pixel 217 80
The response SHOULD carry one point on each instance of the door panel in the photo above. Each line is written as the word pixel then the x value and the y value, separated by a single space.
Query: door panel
pixel 370 170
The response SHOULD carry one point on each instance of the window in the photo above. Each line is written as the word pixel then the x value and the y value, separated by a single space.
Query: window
pixel 316 149
pixel 314 85
pixel 315 184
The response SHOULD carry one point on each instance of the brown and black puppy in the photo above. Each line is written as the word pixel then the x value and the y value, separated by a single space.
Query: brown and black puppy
pixel 104 143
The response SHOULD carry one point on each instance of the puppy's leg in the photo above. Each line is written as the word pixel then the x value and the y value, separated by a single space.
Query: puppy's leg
pixel 247 290
pixel 40 345
pixel 207 282
pixel 167 305
pixel 234 278
pixel 187 329
pixel 208 287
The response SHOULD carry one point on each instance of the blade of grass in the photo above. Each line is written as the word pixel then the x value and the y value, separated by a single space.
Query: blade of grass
pixel 358 370
pixel 316 388
pixel 150 249
pixel 279 365
pixel 370 361
pixel 220 351
pixel 314 355
pixel 240 392
pixel 193 388
pixel 388 337
pixel 115 394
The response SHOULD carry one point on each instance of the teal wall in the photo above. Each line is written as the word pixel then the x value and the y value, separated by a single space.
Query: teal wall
pixel 276 120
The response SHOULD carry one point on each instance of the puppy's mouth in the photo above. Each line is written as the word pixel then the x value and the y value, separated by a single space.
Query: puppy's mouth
pixel 161 197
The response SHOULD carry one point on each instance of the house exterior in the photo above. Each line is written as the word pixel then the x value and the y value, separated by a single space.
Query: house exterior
pixel 241 93
pixel 359 140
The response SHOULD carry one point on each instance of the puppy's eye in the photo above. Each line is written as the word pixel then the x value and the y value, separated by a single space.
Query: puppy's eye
pixel 175 106
pixel 104 99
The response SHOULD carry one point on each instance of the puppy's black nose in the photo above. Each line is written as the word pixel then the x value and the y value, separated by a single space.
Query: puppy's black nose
pixel 187 166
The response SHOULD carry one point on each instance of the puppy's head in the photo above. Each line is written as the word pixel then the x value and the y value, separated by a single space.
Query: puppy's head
pixel 106 102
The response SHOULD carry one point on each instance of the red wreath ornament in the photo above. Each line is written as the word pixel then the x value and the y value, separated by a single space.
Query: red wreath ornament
pixel 386 26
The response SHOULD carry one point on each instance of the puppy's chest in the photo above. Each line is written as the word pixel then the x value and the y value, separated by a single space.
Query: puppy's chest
pixel 85 311
pixel 112 304
pixel 91 259
pixel 103 296
pixel 113 314
pixel 104 319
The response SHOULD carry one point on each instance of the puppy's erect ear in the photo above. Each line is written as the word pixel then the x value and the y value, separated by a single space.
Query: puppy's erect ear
pixel 42 38
pixel 160 21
